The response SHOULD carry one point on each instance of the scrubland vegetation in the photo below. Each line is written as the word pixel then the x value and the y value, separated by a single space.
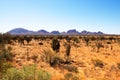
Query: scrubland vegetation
pixel 61 57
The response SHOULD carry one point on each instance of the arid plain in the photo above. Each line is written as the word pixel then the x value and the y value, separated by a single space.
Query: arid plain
pixel 91 57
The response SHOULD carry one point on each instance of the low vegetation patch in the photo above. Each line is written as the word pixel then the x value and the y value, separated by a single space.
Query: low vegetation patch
pixel 98 63
pixel 71 76
pixel 118 65
pixel 26 73
pixel 51 57
pixel 70 68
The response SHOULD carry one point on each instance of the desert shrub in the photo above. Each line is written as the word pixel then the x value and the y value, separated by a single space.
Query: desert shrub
pixel 68 47
pixel 13 74
pixel 26 73
pixel 43 75
pixel 86 39
pixel 68 76
pixel 60 37
pixel 101 38
pixel 47 55
pixel 21 39
pixel 15 37
pixel 71 68
pixel 111 38
pixel 1 38
pixel 99 45
pixel 71 76
pixel 42 37
pixel 75 39
pixel 109 42
pixel 118 41
pixel 51 57
pixel 29 72
pixel 34 57
pixel 118 65
pixel 67 54
pixel 6 54
pixel 67 38
pixel 4 66
pixel 93 38
pixel 28 38
pixel 98 63
pixel 35 37
pixel 7 38
pixel 2 47
pixel 56 60
pixel 55 44
pixel 40 43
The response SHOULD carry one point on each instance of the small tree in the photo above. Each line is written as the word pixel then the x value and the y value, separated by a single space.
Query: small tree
pixel 68 47
pixel 27 38
pixel 21 40
pixel 43 75
pixel 6 54
pixel 87 40
pixel 99 45
pixel 55 45
pixel 67 55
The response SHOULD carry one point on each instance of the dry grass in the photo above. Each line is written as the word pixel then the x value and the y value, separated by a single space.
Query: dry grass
pixel 91 64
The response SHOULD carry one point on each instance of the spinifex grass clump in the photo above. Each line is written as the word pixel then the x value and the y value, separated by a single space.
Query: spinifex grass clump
pixel 43 75
pixel 51 57
pixel 26 73
pixel 4 66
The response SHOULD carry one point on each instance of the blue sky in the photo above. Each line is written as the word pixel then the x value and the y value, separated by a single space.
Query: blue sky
pixel 62 15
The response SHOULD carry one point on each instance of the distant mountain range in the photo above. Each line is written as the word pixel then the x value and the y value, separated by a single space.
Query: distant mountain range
pixel 22 31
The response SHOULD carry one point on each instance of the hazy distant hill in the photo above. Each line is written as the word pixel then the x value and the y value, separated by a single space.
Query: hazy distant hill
pixel 55 32
pixel 42 32
pixel 73 31
pixel 88 32
pixel 18 31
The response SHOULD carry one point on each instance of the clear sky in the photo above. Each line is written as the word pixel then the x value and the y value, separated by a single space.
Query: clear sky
pixel 62 15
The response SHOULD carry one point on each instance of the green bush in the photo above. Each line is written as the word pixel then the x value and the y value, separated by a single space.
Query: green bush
pixel 4 66
pixel 13 74
pixel 6 54
pixel 43 75
pixel 29 72
pixel 26 73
